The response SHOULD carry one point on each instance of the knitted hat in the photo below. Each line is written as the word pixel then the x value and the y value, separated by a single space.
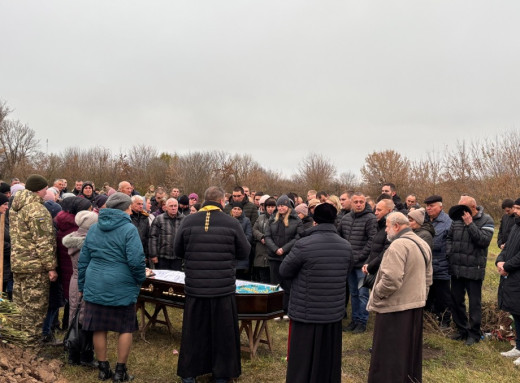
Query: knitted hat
pixel 67 195
pixel 52 207
pixel 100 200
pixel 237 204
pixel 285 201
pixel 433 199
pixel 263 198
pixel 4 187
pixel 184 200
pixel 16 188
pixel 49 196
pixel 302 209
pixel 324 213
pixel 193 196
pixel 119 201
pixel 84 219
pixel 417 215
pixel 35 183
pixel 3 198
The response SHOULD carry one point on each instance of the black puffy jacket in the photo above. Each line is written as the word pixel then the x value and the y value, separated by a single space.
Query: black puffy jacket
pixel 509 289
pixel 359 229
pixel 506 225
pixel 142 223
pixel 318 265
pixel 380 243
pixel 162 235
pixel 277 235
pixel 467 246
pixel 210 243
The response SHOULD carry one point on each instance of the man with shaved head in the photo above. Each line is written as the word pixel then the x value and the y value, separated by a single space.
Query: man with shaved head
pixel 125 187
pixel 466 248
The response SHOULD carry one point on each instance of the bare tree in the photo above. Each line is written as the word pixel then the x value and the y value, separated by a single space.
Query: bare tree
pixel 385 166
pixel 316 172
pixel 17 143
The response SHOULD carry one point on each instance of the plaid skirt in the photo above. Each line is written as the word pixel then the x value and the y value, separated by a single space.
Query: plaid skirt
pixel 121 319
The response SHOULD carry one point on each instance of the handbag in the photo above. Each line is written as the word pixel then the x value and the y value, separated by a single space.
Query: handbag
pixel 72 340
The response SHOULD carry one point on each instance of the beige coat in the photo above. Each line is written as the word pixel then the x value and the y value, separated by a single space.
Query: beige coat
pixel 404 277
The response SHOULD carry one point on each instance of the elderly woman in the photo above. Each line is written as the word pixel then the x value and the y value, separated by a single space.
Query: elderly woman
pixel 111 270
pixel 74 242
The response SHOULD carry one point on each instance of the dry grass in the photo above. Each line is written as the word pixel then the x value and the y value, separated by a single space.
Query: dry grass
pixel 445 361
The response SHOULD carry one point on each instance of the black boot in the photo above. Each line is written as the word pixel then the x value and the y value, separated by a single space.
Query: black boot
pixel 104 370
pixel 121 375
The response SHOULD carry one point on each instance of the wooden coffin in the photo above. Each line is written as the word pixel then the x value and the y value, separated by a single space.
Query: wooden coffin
pixel 168 287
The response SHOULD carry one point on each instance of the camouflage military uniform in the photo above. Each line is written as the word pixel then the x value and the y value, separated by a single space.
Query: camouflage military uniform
pixel 32 257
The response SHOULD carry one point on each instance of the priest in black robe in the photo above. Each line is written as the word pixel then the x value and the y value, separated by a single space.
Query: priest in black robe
pixel 210 242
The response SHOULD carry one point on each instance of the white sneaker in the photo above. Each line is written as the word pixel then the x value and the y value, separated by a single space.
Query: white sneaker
pixel 513 353
pixel 517 362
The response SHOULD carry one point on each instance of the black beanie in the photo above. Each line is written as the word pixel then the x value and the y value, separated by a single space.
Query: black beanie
pixel 325 213
pixel 35 183
pixel 184 200
pixel 5 188
pixel 3 198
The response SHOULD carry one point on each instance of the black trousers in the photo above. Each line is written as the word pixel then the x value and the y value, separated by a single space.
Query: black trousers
pixel 459 287
pixel 274 267
pixel 439 300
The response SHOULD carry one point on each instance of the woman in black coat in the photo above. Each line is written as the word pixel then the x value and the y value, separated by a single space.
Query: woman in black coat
pixel 281 234
pixel 508 265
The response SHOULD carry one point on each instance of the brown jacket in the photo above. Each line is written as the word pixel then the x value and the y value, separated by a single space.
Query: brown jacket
pixel 404 277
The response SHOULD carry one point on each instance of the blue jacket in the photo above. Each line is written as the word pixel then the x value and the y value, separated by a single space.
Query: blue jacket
pixel 441 267
pixel 111 265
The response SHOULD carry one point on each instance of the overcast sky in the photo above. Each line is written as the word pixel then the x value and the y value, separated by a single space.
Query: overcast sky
pixel 275 79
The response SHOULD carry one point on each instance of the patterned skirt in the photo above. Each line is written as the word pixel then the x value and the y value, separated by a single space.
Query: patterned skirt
pixel 121 319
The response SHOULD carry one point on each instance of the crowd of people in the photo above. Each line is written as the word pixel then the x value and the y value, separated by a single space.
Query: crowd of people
pixel 89 250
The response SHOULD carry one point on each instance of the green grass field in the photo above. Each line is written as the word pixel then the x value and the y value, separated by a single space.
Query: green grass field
pixel 444 360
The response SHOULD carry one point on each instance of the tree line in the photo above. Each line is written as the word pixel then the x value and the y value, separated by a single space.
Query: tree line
pixel 488 170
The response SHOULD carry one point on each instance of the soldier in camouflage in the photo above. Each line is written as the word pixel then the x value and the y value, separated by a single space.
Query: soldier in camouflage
pixel 33 258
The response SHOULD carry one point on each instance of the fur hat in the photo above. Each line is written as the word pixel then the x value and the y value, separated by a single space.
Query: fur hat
pixel 35 183
pixel 119 201
pixel 417 215
pixel 313 202
pixel 456 212
pixel 84 219
pixel 302 209
pixel 325 213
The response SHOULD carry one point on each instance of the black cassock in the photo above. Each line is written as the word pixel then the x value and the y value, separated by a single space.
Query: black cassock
pixel 210 338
